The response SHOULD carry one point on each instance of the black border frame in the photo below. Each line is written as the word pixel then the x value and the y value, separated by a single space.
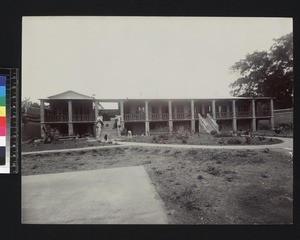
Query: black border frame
pixel 10 57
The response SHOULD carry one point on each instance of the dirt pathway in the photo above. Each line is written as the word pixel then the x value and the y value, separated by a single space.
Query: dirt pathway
pixel 287 145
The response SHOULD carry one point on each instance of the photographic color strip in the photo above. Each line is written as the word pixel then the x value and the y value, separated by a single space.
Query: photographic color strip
pixel 9 120
pixel 2 155
pixel 2 119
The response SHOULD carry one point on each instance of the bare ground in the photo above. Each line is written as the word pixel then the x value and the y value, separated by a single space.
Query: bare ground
pixel 197 186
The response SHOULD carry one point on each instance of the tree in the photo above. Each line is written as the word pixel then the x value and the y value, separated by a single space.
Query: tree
pixel 267 73
pixel 26 104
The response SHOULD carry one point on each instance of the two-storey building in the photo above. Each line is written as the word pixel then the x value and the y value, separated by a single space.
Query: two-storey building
pixel 74 113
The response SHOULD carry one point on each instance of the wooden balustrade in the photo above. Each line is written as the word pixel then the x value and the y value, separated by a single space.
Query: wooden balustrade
pixel 181 116
pixel 134 117
pixel 158 116
pixel 188 116
pixel 265 113
pixel 57 118
pixel 245 114
pixel 75 118
pixel 83 117
pixel 224 115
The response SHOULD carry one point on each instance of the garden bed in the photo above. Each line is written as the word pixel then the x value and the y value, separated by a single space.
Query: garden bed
pixel 62 144
pixel 205 139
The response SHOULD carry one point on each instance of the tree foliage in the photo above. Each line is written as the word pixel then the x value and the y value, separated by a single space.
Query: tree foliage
pixel 27 103
pixel 267 73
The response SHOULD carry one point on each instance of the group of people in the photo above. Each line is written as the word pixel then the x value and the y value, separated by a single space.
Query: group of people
pixel 99 124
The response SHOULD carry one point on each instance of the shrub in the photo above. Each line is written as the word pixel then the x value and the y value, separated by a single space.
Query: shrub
pixel 154 139
pixel 234 141
pixel 223 134
pixel 213 132
pixel 163 136
pixel 181 130
pixel 261 138
pixel 181 137
pixel 248 139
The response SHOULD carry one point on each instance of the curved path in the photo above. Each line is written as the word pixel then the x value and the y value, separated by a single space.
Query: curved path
pixel 287 144
pixel 69 150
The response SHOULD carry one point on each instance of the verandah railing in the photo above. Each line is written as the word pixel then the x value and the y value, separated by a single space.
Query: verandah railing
pixel 57 118
pixel 83 117
pixel 134 117
pixel 188 116
pixel 156 116
pixel 75 118
pixel 224 115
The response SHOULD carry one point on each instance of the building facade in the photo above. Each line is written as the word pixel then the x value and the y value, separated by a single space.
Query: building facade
pixel 69 112
pixel 74 113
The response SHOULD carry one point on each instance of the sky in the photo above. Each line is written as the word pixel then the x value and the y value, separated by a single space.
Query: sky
pixel 140 57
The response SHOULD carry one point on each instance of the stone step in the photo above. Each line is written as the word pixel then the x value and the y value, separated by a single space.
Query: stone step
pixel 109 130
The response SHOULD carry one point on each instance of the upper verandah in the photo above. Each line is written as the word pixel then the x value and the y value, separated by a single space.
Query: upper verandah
pixel 72 95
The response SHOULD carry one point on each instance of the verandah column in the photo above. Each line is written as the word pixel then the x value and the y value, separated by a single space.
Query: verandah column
pixel 272 113
pixel 96 116
pixel 234 123
pixel 160 111
pixel 70 117
pixel 96 102
pixel 122 114
pixel 253 116
pixel 42 117
pixel 170 117
pixel 193 116
pixel 147 126
pixel 214 109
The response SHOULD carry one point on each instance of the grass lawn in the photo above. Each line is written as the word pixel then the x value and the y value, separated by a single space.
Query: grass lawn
pixel 197 186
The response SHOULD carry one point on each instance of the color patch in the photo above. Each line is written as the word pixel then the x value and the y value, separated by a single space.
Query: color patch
pixel 2 130
pixel 2 101
pixel 2 155
pixel 2 140
pixel 2 111
pixel 2 81
pixel 2 121
pixel 2 91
